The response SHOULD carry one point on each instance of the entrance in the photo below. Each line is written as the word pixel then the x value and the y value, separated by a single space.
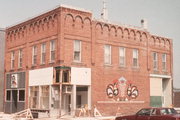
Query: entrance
pixel 66 104
pixel 14 101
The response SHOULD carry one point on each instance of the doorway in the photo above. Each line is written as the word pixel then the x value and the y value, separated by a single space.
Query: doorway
pixel 14 101
pixel 66 100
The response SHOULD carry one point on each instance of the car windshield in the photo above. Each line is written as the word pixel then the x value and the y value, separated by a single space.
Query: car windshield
pixel 167 111
pixel 144 112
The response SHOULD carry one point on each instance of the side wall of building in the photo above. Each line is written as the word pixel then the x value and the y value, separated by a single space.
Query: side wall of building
pixel 2 47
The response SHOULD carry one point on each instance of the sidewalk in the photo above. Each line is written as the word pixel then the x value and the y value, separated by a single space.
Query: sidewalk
pixel 79 118
pixel 4 116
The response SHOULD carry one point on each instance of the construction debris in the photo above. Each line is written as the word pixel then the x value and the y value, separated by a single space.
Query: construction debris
pixel 24 114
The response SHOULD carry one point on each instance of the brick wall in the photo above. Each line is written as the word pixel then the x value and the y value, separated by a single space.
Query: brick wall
pixel 177 99
pixel 64 25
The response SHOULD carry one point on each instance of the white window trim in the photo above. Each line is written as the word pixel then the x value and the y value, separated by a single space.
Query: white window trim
pixel 110 57
pixel 136 57
pixel 20 58
pixel 155 61
pixel 34 53
pixel 79 51
pixel 51 61
pixel 43 51
pixel 164 61
pixel 12 59
pixel 124 56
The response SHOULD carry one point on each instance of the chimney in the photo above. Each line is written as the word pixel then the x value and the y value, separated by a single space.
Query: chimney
pixel 104 13
pixel 144 24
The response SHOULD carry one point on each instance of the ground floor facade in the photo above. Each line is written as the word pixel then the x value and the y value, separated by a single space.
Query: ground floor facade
pixel 65 90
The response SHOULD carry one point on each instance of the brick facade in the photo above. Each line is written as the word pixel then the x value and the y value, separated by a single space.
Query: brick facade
pixel 64 25
pixel 176 98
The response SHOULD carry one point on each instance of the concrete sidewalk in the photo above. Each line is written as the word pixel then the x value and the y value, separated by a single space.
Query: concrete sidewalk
pixel 79 118
pixel 4 116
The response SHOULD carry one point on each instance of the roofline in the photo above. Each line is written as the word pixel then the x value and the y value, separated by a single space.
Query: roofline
pixel 75 8
pixel 33 17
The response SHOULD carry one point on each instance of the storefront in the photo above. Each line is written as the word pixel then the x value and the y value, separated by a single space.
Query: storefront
pixel 160 90
pixel 45 86
pixel 15 92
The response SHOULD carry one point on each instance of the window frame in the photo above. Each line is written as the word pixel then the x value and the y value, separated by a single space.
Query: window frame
pixel 107 55
pixel 122 57
pixel 34 55
pixel 155 61
pixel 52 51
pixel 135 57
pixel 19 95
pixel 77 50
pixel 10 95
pixel 164 62
pixel 20 57
pixel 12 59
pixel 43 53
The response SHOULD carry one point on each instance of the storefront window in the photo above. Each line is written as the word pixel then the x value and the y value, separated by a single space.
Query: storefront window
pixel 44 104
pixel 21 95
pixel 8 95
pixel 34 97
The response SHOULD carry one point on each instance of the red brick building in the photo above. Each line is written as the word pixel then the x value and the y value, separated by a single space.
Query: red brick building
pixel 66 59
pixel 176 98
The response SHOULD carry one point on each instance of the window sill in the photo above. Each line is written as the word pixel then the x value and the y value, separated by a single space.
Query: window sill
pixel 107 65
pixel 12 69
pixel 33 66
pixel 122 67
pixel 51 62
pixel 78 63
pixel 165 72
pixel 42 64
pixel 20 68
pixel 135 67
pixel 155 71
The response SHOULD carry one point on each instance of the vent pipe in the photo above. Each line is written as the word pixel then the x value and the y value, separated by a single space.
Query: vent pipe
pixel 144 24
pixel 104 13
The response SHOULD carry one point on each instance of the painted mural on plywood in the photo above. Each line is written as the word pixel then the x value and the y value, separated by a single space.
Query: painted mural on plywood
pixel 122 90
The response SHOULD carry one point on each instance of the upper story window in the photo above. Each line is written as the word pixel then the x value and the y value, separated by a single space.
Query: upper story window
pixel 155 61
pixel 34 55
pixel 135 57
pixel 107 54
pixel 77 51
pixel 12 59
pixel 164 59
pixel 43 53
pixel 122 56
pixel 20 59
pixel 52 51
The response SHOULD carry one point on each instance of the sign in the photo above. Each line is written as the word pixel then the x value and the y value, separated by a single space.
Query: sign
pixel 14 80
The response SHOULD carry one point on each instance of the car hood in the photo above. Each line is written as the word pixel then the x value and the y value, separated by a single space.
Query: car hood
pixel 176 115
pixel 127 116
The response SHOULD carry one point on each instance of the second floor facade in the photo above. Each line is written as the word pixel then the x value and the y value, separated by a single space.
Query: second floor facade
pixel 67 36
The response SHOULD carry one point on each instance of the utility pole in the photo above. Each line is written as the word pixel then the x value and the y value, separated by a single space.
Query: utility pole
pixel 60 92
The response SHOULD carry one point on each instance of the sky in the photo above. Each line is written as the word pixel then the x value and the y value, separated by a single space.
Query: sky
pixel 163 16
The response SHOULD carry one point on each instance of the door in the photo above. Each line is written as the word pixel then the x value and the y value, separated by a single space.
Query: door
pixel 14 101
pixel 69 103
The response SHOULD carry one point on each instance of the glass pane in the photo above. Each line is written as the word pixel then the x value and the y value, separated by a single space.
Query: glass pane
pixel 21 95
pixel 77 45
pixel 8 95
